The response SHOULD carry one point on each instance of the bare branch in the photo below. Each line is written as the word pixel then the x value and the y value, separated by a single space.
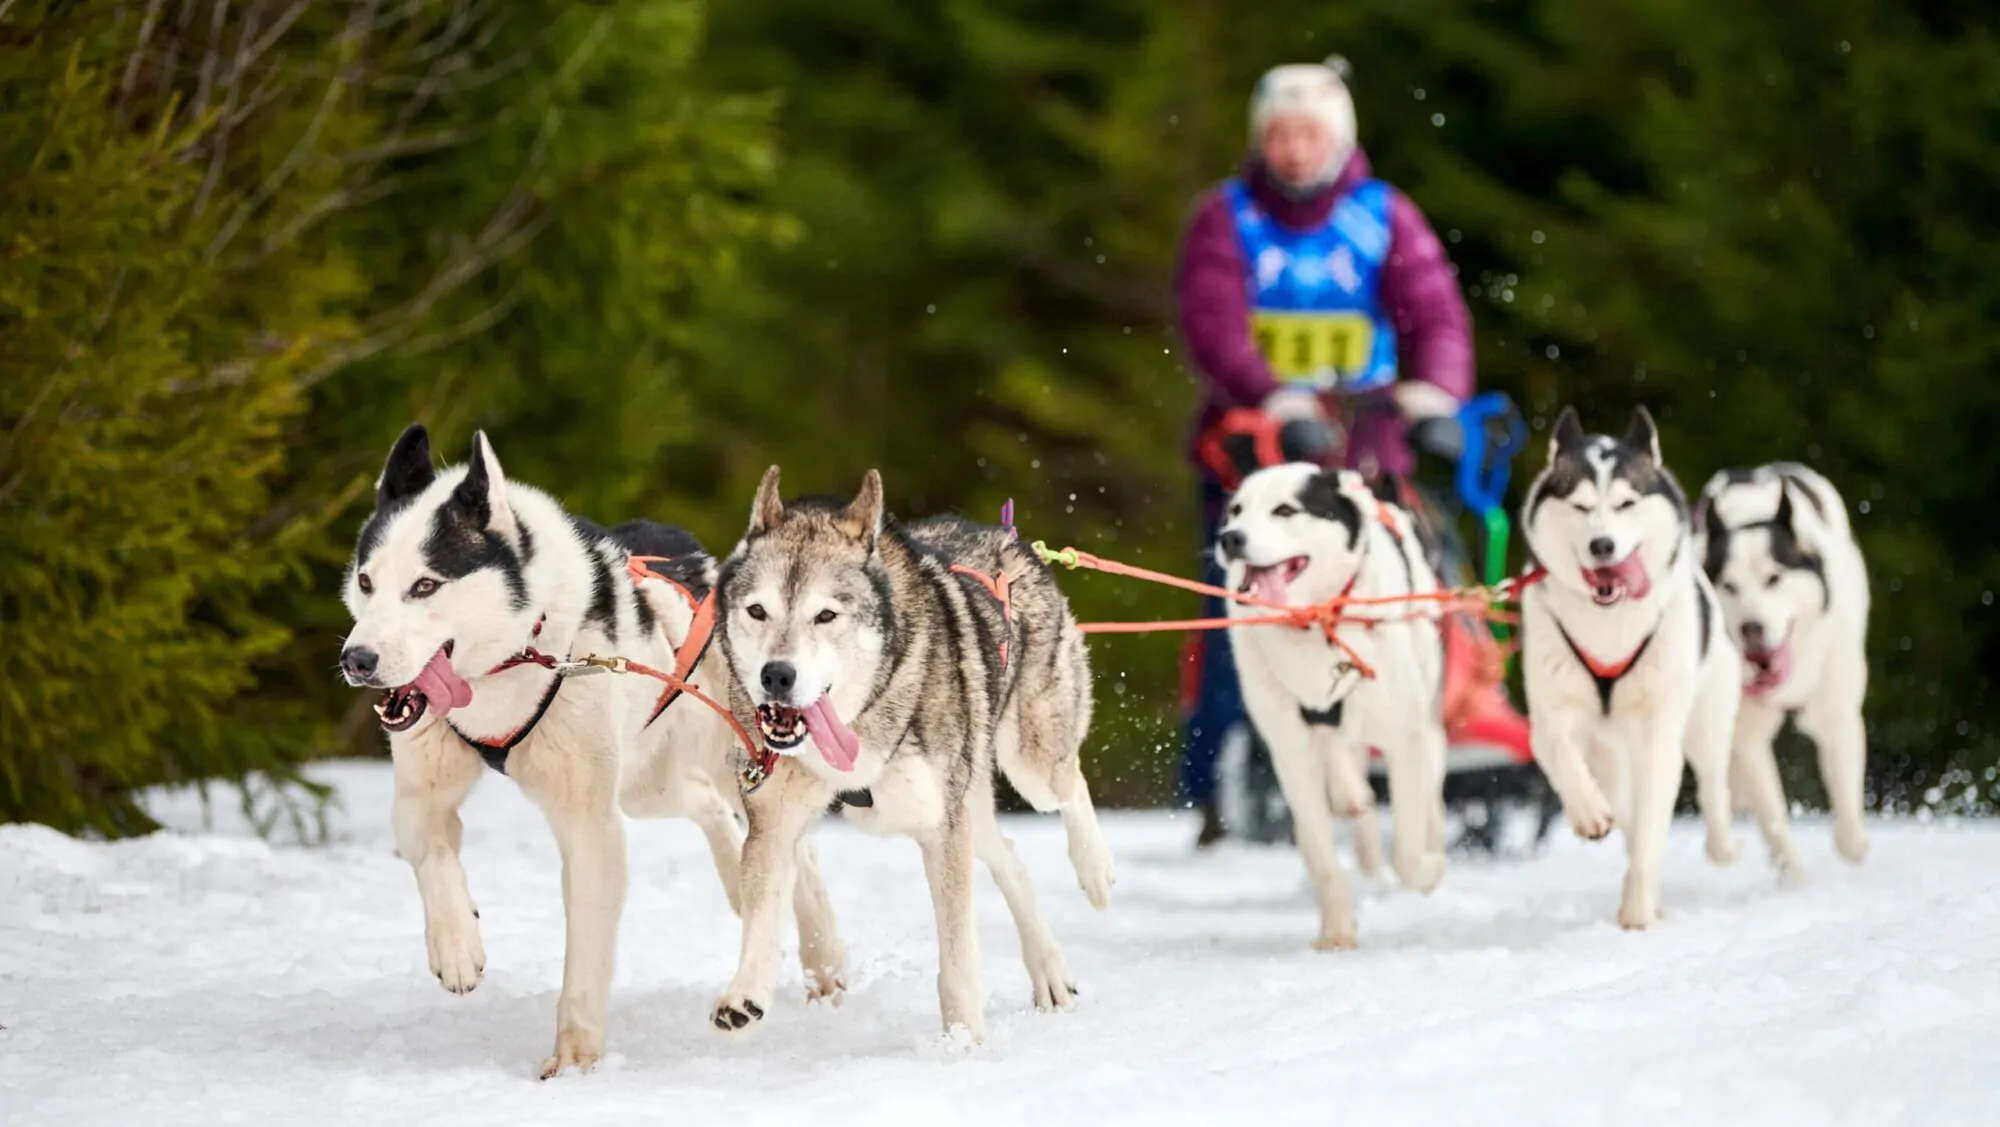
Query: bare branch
pixel 146 26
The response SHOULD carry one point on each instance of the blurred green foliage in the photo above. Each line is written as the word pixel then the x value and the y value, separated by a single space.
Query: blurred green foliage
pixel 654 245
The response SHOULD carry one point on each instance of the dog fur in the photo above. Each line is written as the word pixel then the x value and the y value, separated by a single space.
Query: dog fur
pixel 470 565
pixel 1776 543
pixel 1299 535
pixel 834 608
pixel 1610 524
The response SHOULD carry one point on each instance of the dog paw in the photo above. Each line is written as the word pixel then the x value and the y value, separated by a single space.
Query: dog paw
pixel 1722 849
pixel 825 984
pixel 575 1048
pixel 1589 816
pixel 1341 938
pixel 457 956
pixel 1093 873
pixel 736 1013
pixel 1639 909
pixel 1049 974
pixel 1791 871
pixel 1852 842
pixel 1420 871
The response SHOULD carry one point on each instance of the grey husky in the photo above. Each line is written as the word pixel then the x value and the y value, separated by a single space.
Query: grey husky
pixel 458 578
pixel 889 670
pixel 1776 543
pixel 1628 671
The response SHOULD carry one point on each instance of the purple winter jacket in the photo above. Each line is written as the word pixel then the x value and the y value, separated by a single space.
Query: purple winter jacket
pixel 1419 292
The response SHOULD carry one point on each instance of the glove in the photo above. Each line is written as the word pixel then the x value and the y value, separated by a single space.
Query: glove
pixel 1441 438
pixel 1289 404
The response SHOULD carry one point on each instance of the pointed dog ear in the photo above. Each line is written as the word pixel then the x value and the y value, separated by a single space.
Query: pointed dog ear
pixel 1783 517
pixel 482 496
pixel 767 509
pixel 408 471
pixel 1643 433
pixel 1568 433
pixel 862 519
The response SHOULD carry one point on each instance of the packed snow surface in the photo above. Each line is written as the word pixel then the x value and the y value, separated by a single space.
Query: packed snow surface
pixel 204 976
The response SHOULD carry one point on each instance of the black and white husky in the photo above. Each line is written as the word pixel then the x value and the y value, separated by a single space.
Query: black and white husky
pixel 455 574
pixel 1297 536
pixel 890 670
pixel 1628 669
pixel 1776 543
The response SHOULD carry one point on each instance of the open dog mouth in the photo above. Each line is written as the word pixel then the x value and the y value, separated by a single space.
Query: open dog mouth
pixel 785 728
pixel 437 685
pixel 1622 580
pixel 1770 667
pixel 1271 583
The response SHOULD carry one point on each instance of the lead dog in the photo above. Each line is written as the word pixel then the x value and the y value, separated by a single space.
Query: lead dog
pixel 1776 543
pixel 1296 535
pixel 458 572
pixel 1629 673
pixel 890 670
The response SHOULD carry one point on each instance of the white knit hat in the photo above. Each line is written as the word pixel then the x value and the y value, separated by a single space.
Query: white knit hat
pixel 1318 90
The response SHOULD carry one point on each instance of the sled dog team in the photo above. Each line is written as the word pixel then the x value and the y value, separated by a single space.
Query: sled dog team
pixel 882 672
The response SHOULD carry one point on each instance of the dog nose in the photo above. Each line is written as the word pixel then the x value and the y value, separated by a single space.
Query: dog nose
pixel 1232 543
pixel 778 678
pixel 359 662
pixel 1753 633
pixel 1602 547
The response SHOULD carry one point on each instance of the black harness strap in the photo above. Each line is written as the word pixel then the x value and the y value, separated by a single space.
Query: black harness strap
pixel 859 799
pixel 1324 718
pixel 1605 679
pixel 494 752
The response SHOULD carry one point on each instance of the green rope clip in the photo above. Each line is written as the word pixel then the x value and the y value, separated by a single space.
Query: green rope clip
pixel 1067 557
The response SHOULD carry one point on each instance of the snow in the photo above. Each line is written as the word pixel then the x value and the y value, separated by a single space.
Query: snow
pixel 208 977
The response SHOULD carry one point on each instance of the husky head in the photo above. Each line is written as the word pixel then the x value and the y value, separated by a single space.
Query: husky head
pixel 1606 516
pixel 436 585
pixel 1291 535
pixel 806 616
pixel 1768 572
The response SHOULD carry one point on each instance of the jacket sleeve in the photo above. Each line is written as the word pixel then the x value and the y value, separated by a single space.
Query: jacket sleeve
pixel 1419 291
pixel 1212 290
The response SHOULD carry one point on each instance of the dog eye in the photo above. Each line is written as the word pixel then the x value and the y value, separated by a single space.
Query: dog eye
pixel 1579 507
pixel 423 588
pixel 1728 587
pixel 366 584
pixel 1236 510
pixel 825 616
pixel 756 612
pixel 1284 511
pixel 1627 503
pixel 1771 580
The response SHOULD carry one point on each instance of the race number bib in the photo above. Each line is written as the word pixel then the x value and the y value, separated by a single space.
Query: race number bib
pixel 1300 346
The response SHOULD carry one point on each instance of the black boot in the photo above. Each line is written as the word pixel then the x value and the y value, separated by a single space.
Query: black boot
pixel 1212 829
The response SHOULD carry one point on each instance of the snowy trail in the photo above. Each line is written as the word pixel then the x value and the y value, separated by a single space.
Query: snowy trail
pixel 209 977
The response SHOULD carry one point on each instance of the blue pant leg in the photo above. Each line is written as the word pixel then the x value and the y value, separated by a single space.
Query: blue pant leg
pixel 1218 704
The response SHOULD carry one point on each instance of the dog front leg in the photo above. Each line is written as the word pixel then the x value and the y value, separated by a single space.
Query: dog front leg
pixel 948 857
pixel 432 777
pixel 1558 751
pixel 1833 722
pixel 1655 764
pixel 591 838
pixel 779 813
pixel 821 954
pixel 1753 770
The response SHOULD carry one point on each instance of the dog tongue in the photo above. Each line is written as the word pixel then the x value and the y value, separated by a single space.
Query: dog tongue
pixel 441 685
pixel 1773 667
pixel 1269 583
pixel 1630 573
pixel 837 742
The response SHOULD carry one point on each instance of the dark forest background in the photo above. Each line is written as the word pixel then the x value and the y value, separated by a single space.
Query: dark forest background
pixel 652 246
